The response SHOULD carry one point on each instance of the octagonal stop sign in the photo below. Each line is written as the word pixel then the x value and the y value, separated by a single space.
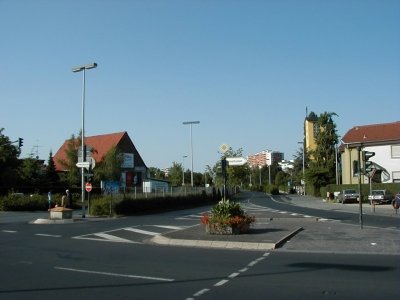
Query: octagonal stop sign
pixel 88 187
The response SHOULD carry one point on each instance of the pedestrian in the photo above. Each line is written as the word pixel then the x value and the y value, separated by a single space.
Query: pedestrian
pixel 63 200
pixel 69 198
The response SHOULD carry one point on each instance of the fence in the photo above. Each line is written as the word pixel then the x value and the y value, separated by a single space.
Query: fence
pixel 139 192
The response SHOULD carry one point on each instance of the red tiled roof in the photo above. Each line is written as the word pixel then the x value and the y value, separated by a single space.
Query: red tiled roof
pixel 388 133
pixel 100 143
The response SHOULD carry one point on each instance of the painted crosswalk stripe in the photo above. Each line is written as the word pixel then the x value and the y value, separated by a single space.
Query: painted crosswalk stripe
pixel 146 232
pixel 169 227
pixel 112 238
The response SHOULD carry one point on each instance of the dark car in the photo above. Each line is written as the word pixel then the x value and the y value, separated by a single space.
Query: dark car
pixel 348 195
pixel 380 197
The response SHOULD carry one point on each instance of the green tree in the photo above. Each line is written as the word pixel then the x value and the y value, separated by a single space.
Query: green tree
pixel 31 171
pixel 8 161
pixel 51 175
pixel 236 175
pixel 71 174
pixel 322 165
pixel 156 173
pixel 175 174
pixel 110 166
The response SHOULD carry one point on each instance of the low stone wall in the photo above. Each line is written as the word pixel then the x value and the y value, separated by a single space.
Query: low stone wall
pixel 60 213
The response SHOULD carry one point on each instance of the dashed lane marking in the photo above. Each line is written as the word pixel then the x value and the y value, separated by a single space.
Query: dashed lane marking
pixel 48 235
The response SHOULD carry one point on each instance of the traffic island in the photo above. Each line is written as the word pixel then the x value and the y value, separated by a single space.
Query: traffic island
pixel 60 213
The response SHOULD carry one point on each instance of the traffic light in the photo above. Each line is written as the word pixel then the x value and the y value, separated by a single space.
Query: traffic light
pixel 368 165
pixel 223 166
pixel 20 142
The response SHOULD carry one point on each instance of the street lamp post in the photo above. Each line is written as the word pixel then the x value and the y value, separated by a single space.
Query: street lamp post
pixel 183 169
pixel 75 70
pixel 304 179
pixel 191 145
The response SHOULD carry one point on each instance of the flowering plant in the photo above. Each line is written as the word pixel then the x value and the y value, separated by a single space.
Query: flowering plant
pixel 227 214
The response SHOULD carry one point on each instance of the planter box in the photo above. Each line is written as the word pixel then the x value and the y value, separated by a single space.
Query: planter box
pixel 59 213
pixel 226 229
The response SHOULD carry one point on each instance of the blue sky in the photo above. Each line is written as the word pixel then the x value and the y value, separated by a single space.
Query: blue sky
pixel 246 70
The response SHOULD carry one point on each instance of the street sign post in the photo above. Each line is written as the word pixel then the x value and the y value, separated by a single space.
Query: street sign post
pixel 236 161
pixel 83 164
pixel 88 187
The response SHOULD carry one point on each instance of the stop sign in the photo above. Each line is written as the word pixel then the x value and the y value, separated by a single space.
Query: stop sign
pixel 88 187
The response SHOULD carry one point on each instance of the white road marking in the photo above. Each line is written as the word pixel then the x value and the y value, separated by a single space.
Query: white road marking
pixel 222 282
pixel 9 231
pixel 233 275
pixel 114 274
pixel 201 292
pixel 112 238
pixel 48 235
pixel 169 227
pixel 141 231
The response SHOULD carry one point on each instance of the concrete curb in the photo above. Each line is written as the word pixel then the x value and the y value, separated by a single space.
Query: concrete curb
pixel 52 221
pixel 287 237
pixel 162 240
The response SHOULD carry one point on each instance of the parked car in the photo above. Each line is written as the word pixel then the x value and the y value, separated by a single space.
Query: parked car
pixel 380 197
pixel 348 195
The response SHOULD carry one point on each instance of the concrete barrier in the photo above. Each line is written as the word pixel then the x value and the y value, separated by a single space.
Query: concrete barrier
pixel 60 213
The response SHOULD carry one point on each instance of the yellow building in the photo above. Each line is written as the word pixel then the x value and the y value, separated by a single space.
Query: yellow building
pixel 310 132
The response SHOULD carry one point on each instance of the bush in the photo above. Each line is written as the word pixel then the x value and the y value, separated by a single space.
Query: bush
pixel 15 202
pixel 101 206
pixel 272 189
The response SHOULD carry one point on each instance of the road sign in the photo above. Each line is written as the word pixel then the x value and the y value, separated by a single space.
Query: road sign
pixel 83 164
pixel 236 161
pixel 224 148
pixel 88 187
pixel 92 162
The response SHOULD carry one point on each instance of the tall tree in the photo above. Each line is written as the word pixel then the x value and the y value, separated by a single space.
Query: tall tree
pixel 175 174
pixel 71 175
pixel 110 166
pixel 322 165
pixel 50 172
pixel 8 160
pixel 31 171
pixel 156 173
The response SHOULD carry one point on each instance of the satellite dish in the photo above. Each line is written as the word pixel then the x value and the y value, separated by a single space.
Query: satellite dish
pixel 223 148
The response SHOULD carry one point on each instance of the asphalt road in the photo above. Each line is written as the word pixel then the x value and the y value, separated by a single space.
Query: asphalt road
pixel 111 259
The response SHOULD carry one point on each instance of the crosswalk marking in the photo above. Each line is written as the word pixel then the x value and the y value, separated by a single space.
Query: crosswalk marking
pixel 112 238
pixel 112 235
pixel 146 232
pixel 170 227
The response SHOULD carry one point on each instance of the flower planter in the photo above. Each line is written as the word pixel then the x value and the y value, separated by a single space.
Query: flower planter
pixel 227 229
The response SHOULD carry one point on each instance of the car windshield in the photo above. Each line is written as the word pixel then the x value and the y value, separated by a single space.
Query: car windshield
pixel 350 191
pixel 376 193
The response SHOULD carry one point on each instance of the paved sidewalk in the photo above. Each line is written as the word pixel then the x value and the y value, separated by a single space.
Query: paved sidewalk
pixel 318 203
pixel 272 231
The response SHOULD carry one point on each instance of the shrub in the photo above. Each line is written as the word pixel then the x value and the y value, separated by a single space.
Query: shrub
pixel 227 213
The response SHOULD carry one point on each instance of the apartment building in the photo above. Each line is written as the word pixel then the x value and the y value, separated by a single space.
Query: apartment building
pixel 264 158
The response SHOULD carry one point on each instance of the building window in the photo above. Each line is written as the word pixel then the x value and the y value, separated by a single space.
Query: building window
pixel 396 176
pixel 355 168
pixel 395 149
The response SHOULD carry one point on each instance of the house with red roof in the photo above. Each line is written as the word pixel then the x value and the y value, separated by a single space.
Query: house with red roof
pixel 383 140
pixel 134 170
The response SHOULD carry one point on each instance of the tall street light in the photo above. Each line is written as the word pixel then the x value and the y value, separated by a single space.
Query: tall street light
pixel 304 179
pixel 183 169
pixel 191 144
pixel 75 70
